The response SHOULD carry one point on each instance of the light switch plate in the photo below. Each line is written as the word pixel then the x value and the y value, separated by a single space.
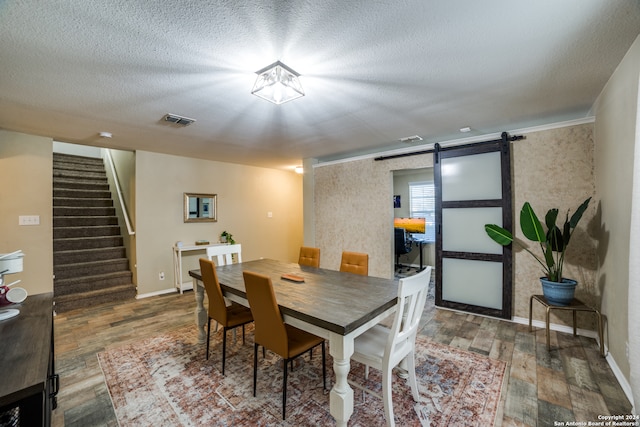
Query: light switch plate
pixel 29 220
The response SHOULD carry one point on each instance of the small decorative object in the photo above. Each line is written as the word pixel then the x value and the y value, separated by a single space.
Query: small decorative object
pixel 178 244
pixel 202 242
pixel 553 244
pixel 396 201
pixel 226 237
pixel 293 277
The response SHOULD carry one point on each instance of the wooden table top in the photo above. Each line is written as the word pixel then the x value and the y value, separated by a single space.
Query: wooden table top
pixel 333 300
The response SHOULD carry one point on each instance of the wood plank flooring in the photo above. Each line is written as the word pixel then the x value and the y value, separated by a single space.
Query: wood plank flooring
pixel 569 383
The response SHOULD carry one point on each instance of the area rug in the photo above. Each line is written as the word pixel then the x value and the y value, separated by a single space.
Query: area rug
pixel 166 381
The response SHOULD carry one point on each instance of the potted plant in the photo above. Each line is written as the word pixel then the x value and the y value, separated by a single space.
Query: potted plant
pixel 553 243
pixel 227 237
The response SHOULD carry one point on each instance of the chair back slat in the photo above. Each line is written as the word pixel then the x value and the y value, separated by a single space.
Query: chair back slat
pixel 224 253
pixel 412 296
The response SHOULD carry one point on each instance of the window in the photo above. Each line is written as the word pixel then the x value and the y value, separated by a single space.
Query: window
pixel 422 204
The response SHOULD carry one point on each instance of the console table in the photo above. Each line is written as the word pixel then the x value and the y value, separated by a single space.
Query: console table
pixel 575 305
pixel 177 263
pixel 29 384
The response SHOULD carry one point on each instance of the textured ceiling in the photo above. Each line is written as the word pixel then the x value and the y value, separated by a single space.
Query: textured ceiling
pixel 373 71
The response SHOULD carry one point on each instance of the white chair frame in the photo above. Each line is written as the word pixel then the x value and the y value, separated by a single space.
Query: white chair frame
pixel 384 348
pixel 224 253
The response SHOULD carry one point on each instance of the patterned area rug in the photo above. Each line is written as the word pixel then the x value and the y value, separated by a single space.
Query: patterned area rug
pixel 166 381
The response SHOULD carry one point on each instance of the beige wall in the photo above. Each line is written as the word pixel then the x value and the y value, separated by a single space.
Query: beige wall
pixel 615 134
pixel 354 209
pixel 124 163
pixel 245 196
pixel 26 186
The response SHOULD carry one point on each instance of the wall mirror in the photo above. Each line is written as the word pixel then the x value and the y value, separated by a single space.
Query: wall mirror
pixel 200 207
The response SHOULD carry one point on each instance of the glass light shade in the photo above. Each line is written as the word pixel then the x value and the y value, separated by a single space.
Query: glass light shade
pixel 277 83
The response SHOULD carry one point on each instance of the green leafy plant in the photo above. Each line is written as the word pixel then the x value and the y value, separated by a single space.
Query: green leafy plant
pixel 225 236
pixel 553 242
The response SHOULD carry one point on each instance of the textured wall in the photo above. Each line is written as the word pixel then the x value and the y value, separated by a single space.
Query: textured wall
pixel 555 169
pixel 552 168
pixel 354 210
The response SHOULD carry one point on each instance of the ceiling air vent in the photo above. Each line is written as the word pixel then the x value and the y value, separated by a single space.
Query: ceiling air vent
pixel 179 120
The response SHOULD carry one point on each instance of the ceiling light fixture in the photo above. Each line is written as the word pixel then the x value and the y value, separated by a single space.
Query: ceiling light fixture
pixel 465 129
pixel 277 83
pixel 299 169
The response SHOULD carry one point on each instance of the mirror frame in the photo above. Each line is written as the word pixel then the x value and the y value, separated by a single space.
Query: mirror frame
pixel 214 207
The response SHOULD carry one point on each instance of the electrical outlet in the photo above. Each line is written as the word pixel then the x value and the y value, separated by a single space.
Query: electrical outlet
pixel 626 349
pixel 161 275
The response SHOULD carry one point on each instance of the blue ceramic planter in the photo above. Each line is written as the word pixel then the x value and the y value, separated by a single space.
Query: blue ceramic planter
pixel 558 293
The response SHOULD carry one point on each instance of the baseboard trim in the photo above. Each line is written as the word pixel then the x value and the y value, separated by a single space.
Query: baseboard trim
pixel 156 293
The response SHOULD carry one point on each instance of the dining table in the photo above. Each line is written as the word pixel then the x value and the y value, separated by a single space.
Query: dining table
pixel 334 305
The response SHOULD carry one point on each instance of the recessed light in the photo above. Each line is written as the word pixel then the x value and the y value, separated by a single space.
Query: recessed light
pixel 465 129
pixel 411 138
pixel 106 134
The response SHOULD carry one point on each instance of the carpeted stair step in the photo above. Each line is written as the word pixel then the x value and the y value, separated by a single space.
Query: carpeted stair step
pixel 94 231
pixel 97 177
pixel 86 243
pixel 89 283
pixel 80 193
pixel 96 166
pixel 81 202
pixel 87 255
pixel 93 298
pixel 84 221
pixel 80 184
pixel 75 211
pixel 91 268
pixel 73 158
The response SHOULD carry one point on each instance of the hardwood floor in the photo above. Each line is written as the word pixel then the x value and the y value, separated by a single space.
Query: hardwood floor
pixel 571 382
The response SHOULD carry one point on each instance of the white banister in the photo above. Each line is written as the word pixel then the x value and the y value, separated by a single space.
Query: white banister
pixel 125 214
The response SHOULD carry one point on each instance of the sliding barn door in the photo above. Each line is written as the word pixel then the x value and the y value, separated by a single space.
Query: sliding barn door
pixel 473 188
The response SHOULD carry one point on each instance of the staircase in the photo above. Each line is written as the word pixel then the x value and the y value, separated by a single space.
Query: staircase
pixel 89 260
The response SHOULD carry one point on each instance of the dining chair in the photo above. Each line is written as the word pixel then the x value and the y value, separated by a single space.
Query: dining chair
pixel 229 316
pixel 272 333
pixel 223 256
pixel 309 256
pixel 384 348
pixel 224 253
pixel 355 262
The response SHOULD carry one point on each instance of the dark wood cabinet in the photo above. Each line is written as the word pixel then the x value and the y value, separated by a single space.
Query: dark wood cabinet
pixel 28 383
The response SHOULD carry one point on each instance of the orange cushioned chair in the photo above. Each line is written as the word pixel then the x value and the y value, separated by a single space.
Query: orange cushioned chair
pixel 355 262
pixel 229 317
pixel 272 333
pixel 309 256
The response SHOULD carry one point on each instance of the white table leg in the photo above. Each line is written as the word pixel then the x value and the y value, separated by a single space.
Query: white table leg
pixel 341 396
pixel 201 313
